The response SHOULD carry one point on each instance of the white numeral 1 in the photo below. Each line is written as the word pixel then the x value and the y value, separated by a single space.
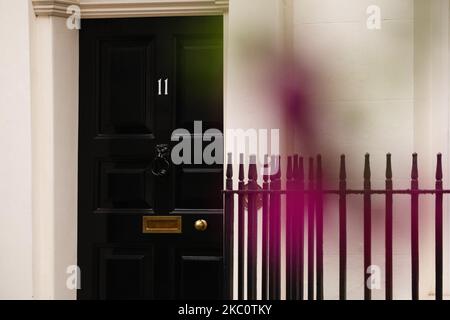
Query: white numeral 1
pixel 166 87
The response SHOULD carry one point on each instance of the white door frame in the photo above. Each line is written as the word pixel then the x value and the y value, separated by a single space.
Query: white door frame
pixel 54 51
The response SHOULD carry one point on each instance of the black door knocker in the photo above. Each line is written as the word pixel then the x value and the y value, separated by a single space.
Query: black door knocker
pixel 160 165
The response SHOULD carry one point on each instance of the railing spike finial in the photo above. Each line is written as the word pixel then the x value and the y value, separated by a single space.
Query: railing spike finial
pixel 289 169
pixel 241 167
pixel 367 166
pixel 252 171
pixel 439 167
pixel 388 167
pixel 414 170
pixel 274 167
pixel 301 169
pixel 266 168
pixel 319 167
pixel 296 172
pixel 311 169
pixel 229 172
pixel 342 170
pixel 278 175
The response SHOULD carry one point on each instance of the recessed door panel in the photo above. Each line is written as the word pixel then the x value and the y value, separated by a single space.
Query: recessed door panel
pixel 199 68
pixel 126 273
pixel 193 287
pixel 126 71
pixel 125 184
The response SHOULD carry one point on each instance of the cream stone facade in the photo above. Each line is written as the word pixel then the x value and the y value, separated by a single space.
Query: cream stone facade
pixel 385 91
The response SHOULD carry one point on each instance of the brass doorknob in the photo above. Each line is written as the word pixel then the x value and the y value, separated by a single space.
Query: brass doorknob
pixel 201 225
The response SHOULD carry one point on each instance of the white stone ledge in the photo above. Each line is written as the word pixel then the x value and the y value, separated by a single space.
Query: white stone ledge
pixel 125 9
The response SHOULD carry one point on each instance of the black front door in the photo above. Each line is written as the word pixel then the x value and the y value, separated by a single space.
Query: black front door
pixel 149 228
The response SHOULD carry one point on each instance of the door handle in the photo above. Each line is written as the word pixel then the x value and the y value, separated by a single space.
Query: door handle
pixel 200 225
pixel 161 165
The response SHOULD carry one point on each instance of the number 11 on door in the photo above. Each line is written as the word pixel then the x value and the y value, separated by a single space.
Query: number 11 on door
pixel 166 87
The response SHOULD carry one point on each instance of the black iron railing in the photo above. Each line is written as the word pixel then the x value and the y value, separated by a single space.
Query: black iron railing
pixel 303 198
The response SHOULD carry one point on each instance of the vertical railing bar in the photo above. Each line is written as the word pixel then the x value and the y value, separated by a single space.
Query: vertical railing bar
pixel 295 222
pixel 319 229
pixel 289 232
pixel 342 230
pixel 277 186
pixel 301 229
pixel 274 227
pixel 228 234
pixel 388 229
pixel 241 231
pixel 414 229
pixel 252 234
pixel 265 232
pixel 311 230
pixel 439 229
pixel 272 253
pixel 367 228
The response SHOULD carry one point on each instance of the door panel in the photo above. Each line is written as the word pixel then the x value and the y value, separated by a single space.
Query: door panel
pixel 139 80
pixel 198 67
pixel 190 266
pixel 126 273
pixel 125 184
pixel 126 103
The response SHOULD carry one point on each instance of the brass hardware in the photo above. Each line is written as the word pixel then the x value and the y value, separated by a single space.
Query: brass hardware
pixel 161 224
pixel 160 165
pixel 201 225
